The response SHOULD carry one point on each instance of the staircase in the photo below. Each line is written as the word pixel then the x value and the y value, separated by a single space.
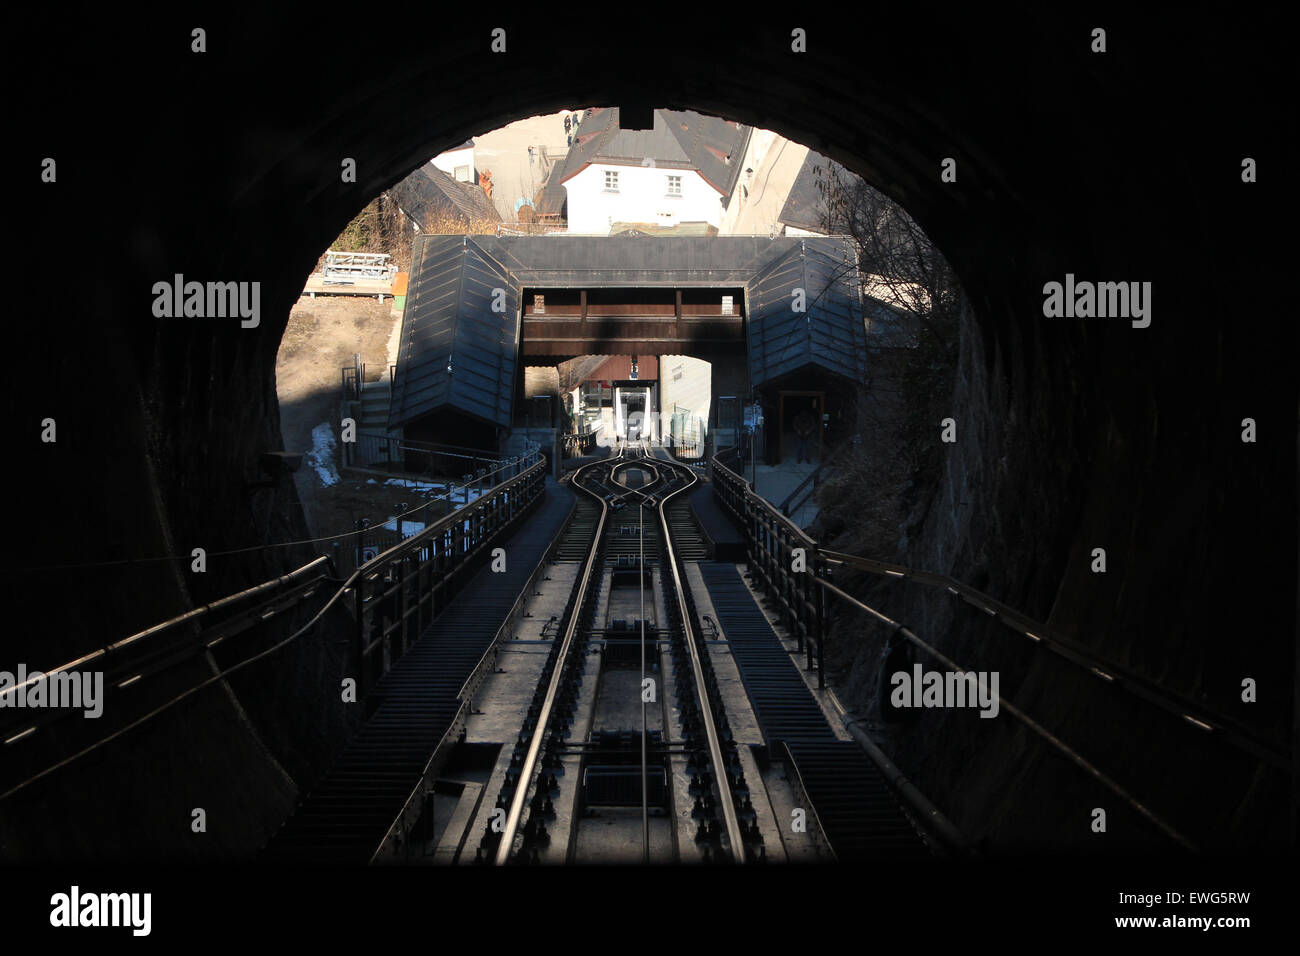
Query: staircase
pixel 375 399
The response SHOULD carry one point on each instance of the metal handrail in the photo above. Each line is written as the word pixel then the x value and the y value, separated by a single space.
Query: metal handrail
pixel 452 518
pixel 1108 670
pixel 812 477
pixel 315 570
pixel 1055 742
pixel 763 503
pixel 1226 728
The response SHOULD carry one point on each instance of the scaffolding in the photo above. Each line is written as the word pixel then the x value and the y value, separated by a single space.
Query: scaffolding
pixel 341 268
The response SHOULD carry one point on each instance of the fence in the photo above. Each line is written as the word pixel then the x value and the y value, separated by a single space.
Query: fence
pixel 369 540
pixel 395 596
pixel 402 589
pixel 582 443
pixel 390 453
pixel 784 559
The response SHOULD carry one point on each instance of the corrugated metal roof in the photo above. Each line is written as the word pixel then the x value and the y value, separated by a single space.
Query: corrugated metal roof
pixel 449 319
pixel 829 334
pixel 456 351
pixel 564 261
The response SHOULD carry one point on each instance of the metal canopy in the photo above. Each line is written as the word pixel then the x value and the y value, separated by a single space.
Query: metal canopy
pixel 805 310
pixel 457 352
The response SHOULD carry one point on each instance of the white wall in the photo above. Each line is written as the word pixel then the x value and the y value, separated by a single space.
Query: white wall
pixel 692 390
pixel 449 160
pixel 760 141
pixel 642 197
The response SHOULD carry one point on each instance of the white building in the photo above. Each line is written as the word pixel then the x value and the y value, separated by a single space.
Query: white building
pixel 458 163
pixel 683 171
pixel 603 194
pixel 755 176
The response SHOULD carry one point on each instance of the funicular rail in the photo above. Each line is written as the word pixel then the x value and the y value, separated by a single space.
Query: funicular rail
pixel 597 482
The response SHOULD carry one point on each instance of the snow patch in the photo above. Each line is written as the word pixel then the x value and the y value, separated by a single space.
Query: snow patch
pixel 413 485
pixel 321 456
pixel 409 527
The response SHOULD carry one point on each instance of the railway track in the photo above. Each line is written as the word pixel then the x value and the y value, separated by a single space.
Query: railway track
pixel 625 753
pixel 631 531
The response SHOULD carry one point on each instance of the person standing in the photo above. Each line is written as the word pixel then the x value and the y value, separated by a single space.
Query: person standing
pixel 804 426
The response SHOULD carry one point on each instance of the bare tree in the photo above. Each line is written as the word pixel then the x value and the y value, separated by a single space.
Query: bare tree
pixel 382 227
pixel 908 389
pixel 902 266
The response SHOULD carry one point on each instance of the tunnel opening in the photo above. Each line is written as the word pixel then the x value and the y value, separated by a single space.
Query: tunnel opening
pixel 1071 417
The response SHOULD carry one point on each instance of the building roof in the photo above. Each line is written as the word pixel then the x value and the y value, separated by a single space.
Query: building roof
pixel 680 139
pixel 429 195
pixel 457 352
pixel 565 261
pixel 804 206
pixel 827 332
pixel 455 349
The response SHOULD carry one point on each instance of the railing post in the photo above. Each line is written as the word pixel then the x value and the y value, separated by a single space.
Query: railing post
pixel 360 653
pixel 820 605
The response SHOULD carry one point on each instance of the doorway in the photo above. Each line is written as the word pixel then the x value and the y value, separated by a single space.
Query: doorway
pixel 793 404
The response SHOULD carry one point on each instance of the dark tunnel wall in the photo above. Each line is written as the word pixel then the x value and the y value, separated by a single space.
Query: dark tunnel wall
pixel 1123 166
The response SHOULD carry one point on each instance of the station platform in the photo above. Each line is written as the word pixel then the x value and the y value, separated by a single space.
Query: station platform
pixel 774 483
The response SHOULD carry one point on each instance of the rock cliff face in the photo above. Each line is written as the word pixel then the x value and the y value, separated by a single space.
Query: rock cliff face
pixel 1051 462
pixel 1073 433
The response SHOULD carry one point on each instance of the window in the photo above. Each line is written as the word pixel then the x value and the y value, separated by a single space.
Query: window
pixel 462 174
pixel 611 180
pixel 674 185
pixel 728 305
pixel 539 305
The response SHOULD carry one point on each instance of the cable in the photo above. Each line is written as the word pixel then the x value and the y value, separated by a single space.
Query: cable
pixel 260 547
pixel 222 675
pixel 1069 753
